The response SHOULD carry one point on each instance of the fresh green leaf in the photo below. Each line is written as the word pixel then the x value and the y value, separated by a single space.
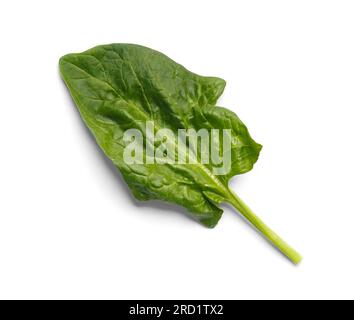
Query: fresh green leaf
pixel 119 87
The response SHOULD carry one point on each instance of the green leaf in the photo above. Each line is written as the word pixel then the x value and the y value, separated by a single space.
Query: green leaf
pixel 119 87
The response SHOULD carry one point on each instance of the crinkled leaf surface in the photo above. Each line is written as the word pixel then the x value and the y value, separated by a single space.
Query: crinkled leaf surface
pixel 121 86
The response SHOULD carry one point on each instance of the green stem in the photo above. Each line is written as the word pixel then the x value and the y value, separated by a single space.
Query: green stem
pixel 268 233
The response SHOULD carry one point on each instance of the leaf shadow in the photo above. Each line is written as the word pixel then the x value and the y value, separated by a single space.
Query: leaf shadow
pixel 158 206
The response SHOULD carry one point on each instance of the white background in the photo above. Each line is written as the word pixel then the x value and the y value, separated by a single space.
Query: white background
pixel 68 225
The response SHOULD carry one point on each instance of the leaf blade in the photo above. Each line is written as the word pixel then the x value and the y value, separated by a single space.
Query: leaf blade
pixel 121 86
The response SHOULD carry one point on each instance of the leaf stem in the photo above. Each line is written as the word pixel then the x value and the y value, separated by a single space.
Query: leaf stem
pixel 268 233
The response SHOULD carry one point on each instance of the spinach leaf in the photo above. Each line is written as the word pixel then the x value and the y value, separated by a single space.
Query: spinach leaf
pixel 120 87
